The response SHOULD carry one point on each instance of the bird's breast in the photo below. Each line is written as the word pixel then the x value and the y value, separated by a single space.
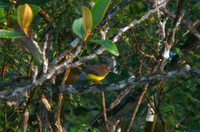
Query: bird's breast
pixel 94 77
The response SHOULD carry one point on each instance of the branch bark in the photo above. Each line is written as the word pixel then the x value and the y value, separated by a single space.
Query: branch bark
pixel 137 105
pixel 7 94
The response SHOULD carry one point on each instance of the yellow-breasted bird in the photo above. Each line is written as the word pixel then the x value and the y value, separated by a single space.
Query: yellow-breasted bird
pixel 96 72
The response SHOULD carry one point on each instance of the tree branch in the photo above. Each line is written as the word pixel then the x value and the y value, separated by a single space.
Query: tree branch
pixel 6 94
pixel 186 23
pixel 137 105
pixel 134 22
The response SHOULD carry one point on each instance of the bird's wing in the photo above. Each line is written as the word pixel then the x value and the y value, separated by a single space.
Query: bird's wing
pixel 94 69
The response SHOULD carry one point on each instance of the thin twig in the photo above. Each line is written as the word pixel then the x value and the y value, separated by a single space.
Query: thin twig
pixel 170 40
pixel 58 113
pixel 185 22
pixel 59 106
pixel 120 97
pixel 65 76
pixel 114 103
pixel 161 24
pixel 39 122
pixel 46 102
pixel 134 22
pixel 25 120
pixel 145 54
pixel 32 93
pixel 64 53
pixel 137 107
pixel 104 111
pixel 46 125
pixel 44 55
pixel 156 110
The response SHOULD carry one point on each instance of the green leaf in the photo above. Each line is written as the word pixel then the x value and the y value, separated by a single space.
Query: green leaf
pixel 2 15
pixel 77 27
pixel 99 10
pixel 108 45
pixel 10 34
pixel 87 20
pixel 178 51
pixel 36 9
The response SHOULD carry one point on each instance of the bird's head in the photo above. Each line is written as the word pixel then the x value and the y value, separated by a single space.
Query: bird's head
pixel 105 67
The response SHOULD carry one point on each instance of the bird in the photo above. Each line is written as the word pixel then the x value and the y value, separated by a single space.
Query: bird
pixel 96 73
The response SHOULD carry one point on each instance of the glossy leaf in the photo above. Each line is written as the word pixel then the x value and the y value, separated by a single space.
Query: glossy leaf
pixel 24 17
pixel 108 45
pixel 87 20
pixel 77 27
pixel 36 9
pixel 10 34
pixel 99 10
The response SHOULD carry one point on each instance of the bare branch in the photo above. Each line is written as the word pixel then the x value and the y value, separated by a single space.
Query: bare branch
pixel 44 56
pixel 58 113
pixel 171 37
pixel 137 105
pixel 104 111
pixel 35 73
pixel 134 22
pixel 34 49
pixel 46 102
pixel 6 94
pixel 145 54
pixel 185 22
pixel 115 103
pixel 58 58
pixel 25 120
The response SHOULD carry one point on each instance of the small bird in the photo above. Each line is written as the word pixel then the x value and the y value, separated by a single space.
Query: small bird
pixel 96 72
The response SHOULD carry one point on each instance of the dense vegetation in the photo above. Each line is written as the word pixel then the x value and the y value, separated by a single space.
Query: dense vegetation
pixel 151 47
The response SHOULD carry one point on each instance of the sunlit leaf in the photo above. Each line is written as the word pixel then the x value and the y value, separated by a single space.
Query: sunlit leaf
pixel 108 45
pixel 24 17
pixel 87 21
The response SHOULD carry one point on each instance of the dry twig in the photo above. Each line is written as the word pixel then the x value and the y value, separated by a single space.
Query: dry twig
pixel 104 111
pixel 137 105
